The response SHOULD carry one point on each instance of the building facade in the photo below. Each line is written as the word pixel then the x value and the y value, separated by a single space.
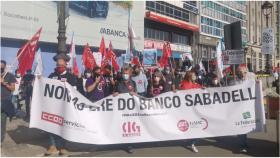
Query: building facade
pixel 213 16
pixel 256 22
pixel 171 21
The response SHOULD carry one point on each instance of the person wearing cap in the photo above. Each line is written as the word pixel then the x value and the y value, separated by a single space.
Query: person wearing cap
pixel 156 85
pixel 141 81
pixel 57 143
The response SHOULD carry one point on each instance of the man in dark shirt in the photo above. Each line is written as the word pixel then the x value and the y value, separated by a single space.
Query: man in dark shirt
pixel 126 85
pixel 28 79
pixel 61 74
pixel 7 86
pixel 168 79
pixel 109 80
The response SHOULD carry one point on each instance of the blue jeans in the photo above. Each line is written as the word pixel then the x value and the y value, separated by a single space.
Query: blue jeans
pixel 142 94
pixel 15 102
pixel 193 141
pixel 56 141
pixel 243 140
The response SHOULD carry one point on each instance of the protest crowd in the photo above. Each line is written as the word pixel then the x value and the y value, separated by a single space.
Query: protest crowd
pixel 96 83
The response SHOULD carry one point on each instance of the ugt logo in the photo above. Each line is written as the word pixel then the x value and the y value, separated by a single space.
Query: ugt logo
pixel 246 115
pixel 130 129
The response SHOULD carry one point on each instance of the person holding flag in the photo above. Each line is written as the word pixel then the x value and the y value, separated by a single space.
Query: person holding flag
pixel 7 87
pixel 57 143
pixel 141 81
pixel 95 86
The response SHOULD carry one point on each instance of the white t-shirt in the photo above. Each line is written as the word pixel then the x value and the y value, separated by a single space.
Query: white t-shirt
pixel 16 91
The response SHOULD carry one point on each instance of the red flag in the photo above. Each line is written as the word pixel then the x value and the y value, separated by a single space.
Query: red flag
pixel 88 58
pixel 102 48
pixel 166 54
pixel 135 61
pixel 111 56
pixel 168 50
pixel 73 63
pixel 26 53
pixel 163 61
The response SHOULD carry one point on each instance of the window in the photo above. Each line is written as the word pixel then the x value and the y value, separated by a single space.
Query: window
pixel 169 10
pixel 156 34
pixel 176 38
pixel 204 54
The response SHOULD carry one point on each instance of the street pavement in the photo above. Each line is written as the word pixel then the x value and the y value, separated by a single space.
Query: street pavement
pixel 21 141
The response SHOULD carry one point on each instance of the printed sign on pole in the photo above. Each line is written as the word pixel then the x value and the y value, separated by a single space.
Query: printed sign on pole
pixel 267 41
pixel 231 57
pixel 150 57
pixel 186 55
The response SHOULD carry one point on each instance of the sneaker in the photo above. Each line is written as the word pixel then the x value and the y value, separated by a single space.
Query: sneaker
pixel 129 150
pixel 51 151
pixel 194 149
pixel 63 152
pixel 243 150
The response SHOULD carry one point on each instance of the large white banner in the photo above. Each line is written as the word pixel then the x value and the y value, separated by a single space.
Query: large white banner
pixel 58 108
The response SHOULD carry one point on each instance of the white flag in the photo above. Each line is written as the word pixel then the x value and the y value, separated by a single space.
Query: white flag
pixel 219 60
pixel 201 66
pixel 72 53
pixel 39 63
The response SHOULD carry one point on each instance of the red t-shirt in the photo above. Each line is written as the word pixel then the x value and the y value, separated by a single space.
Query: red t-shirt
pixel 189 85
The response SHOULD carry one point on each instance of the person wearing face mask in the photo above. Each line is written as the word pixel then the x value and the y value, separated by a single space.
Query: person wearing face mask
pixel 242 75
pixel 96 85
pixel 81 82
pixel 141 81
pixel 57 143
pixel 27 86
pixel 189 82
pixel 215 81
pixel 126 85
pixel 109 80
pixel 177 78
pixel 168 79
pixel 7 87
pixel 156 85
pixel 15 96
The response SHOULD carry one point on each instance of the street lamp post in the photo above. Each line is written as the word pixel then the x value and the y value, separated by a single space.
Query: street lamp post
pixel 61 28
pixel 267 9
